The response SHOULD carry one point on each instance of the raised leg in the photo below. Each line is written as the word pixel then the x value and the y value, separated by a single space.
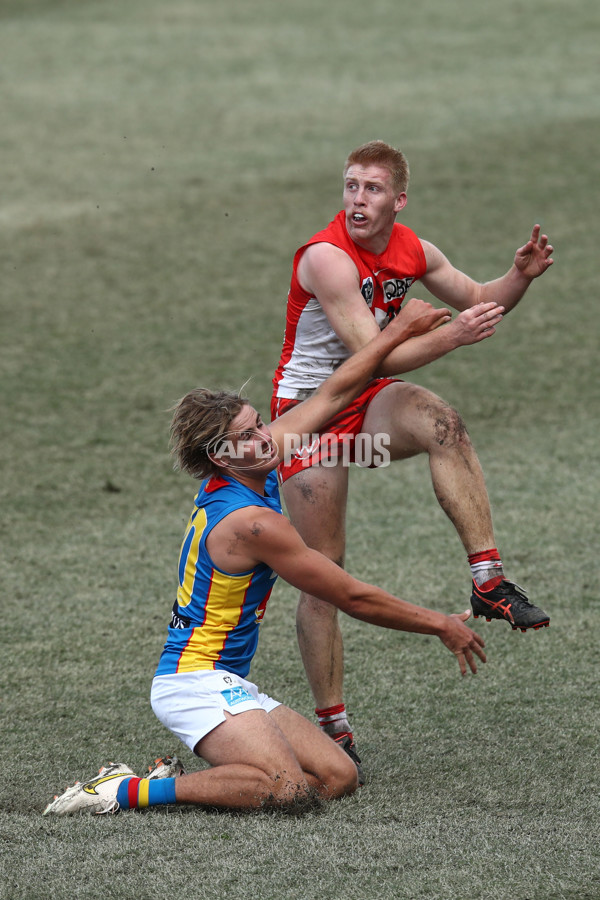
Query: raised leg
pixel 418 421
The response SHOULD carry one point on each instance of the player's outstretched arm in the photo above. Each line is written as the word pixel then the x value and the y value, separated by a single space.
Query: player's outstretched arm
pixel 272 539
pixel 418 317
pixel 531 260
pixel 469 327
pixel 458 290
pixel 535 257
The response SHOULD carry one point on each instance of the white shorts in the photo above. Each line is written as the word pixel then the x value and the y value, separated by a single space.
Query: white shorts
pixel 190 704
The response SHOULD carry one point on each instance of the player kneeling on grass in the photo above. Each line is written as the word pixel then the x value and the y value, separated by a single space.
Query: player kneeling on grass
pixel 260 752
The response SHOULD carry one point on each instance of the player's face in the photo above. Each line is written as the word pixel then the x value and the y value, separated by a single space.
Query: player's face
pixel 371 206
pixel 248 444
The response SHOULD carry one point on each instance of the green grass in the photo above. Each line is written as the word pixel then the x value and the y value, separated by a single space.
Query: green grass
pixel 161 162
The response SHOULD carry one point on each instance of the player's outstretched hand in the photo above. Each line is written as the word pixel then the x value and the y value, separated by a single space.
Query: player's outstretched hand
pixel 476 323
pixel 463 642
pixel 419 317
pixel 534 257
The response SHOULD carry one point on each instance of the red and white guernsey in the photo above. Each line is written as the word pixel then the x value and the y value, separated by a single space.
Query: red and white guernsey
pixel 311 348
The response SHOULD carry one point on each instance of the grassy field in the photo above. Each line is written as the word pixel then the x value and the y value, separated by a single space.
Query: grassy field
pixel 161 162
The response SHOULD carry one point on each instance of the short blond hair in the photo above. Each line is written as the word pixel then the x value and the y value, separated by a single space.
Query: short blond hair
pixel 378 153
pixel 200 421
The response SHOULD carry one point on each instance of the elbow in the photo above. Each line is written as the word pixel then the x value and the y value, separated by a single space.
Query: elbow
pixel 356 602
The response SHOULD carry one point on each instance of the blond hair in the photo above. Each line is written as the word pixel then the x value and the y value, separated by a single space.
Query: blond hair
pixel 200 421
pixel 378 153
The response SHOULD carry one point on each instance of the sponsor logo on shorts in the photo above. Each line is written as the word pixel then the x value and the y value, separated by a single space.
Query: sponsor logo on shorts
pixel 236 695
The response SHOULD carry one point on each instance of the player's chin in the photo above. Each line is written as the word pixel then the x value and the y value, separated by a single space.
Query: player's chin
pixel 269 464
pixel 275 462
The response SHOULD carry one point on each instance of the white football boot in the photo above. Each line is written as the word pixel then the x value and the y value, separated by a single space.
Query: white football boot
pixel 98 795
pixel 165 767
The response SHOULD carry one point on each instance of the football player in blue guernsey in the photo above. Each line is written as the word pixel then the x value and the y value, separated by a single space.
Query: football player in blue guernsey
pixel 260 752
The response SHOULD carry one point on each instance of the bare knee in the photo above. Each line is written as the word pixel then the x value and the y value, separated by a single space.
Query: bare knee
pixel 316 616
pixel 336 773
pixel 341 778
pixel 420 421
pixel 316 608
pixel 448 428
pixel 288 794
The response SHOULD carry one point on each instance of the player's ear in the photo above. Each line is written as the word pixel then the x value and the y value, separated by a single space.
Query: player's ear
pixel 220 462
pixel 401 201
pixel 220 455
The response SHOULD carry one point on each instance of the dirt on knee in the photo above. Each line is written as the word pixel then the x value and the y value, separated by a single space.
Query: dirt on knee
pixel 450 429
pixel 297 804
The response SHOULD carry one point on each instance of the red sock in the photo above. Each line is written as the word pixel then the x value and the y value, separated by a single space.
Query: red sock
pixel 486 568
pixel 333 720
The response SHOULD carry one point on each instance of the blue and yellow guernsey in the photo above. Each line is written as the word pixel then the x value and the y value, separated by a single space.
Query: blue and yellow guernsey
pixel 216 615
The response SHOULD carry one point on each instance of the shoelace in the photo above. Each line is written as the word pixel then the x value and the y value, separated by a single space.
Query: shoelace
pixel 112 807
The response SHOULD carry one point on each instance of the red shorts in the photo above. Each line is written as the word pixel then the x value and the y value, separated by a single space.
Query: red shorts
pixel 336 440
